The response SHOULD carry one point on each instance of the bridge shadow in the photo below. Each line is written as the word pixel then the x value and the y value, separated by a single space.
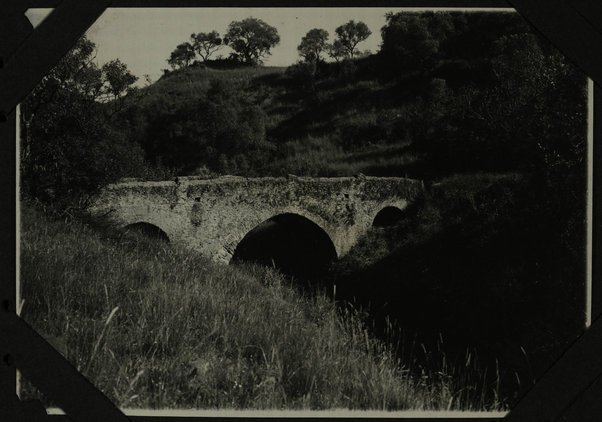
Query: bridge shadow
pixel 295 245
pixel 433 294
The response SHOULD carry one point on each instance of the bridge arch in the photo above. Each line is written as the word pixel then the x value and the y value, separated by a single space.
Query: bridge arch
pixel 149 230
pixel 388 216
pixel 291 242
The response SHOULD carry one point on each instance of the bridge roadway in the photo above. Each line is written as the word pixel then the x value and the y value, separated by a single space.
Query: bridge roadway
pixel 213 216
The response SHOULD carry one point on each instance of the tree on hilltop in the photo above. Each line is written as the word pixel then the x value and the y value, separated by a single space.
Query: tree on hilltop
pixel 117 85
pixel 251 39
pixel 337 51
pixel 313 44
pixel 181 56
pixel 349 36
pixel 119 79
pixel 206 43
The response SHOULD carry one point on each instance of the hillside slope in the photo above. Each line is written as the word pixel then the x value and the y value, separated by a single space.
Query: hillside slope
pixel 451 102
pixel 264 121
pixel 155 326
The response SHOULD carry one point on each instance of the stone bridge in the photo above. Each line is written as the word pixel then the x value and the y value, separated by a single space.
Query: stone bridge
pixel 213 216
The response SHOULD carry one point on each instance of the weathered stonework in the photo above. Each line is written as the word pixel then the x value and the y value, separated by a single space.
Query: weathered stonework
pixel 213 215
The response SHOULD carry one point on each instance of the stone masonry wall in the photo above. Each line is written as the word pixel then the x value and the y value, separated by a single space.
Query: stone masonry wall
pixel 213 215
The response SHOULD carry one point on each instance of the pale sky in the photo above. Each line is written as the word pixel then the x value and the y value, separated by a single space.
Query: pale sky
pixel 143 38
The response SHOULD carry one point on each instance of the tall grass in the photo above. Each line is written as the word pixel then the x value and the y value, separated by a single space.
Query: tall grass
pixel 194 82
pixel 153 325
pixel 322 157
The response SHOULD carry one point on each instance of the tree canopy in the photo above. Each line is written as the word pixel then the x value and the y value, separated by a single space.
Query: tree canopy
pixel 313 44
pixel 118 78
pixel 69 148
pixel 206 43
pixel 409 43
pixel 337 51
pixel 350 35
pixel 182 56
pixel 251 39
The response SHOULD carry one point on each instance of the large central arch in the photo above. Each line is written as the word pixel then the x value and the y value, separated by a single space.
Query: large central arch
pixel 294 244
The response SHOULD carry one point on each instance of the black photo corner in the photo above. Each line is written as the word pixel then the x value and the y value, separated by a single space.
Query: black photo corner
pixel 570 390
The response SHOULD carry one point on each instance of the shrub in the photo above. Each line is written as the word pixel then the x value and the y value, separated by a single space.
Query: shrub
pixel 222 122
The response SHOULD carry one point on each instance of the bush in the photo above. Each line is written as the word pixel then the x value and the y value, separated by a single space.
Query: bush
pixel 302 74
pixel 70 147
pixel 208 131
pixel 75 156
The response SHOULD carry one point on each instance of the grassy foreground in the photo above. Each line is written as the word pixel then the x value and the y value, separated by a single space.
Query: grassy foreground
pixel 156 326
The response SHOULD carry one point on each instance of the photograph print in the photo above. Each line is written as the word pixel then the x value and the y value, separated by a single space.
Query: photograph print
pixel 306 208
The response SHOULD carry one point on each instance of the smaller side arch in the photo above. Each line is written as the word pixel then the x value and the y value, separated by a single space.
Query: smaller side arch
pixel 388 216
pixel 146 230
